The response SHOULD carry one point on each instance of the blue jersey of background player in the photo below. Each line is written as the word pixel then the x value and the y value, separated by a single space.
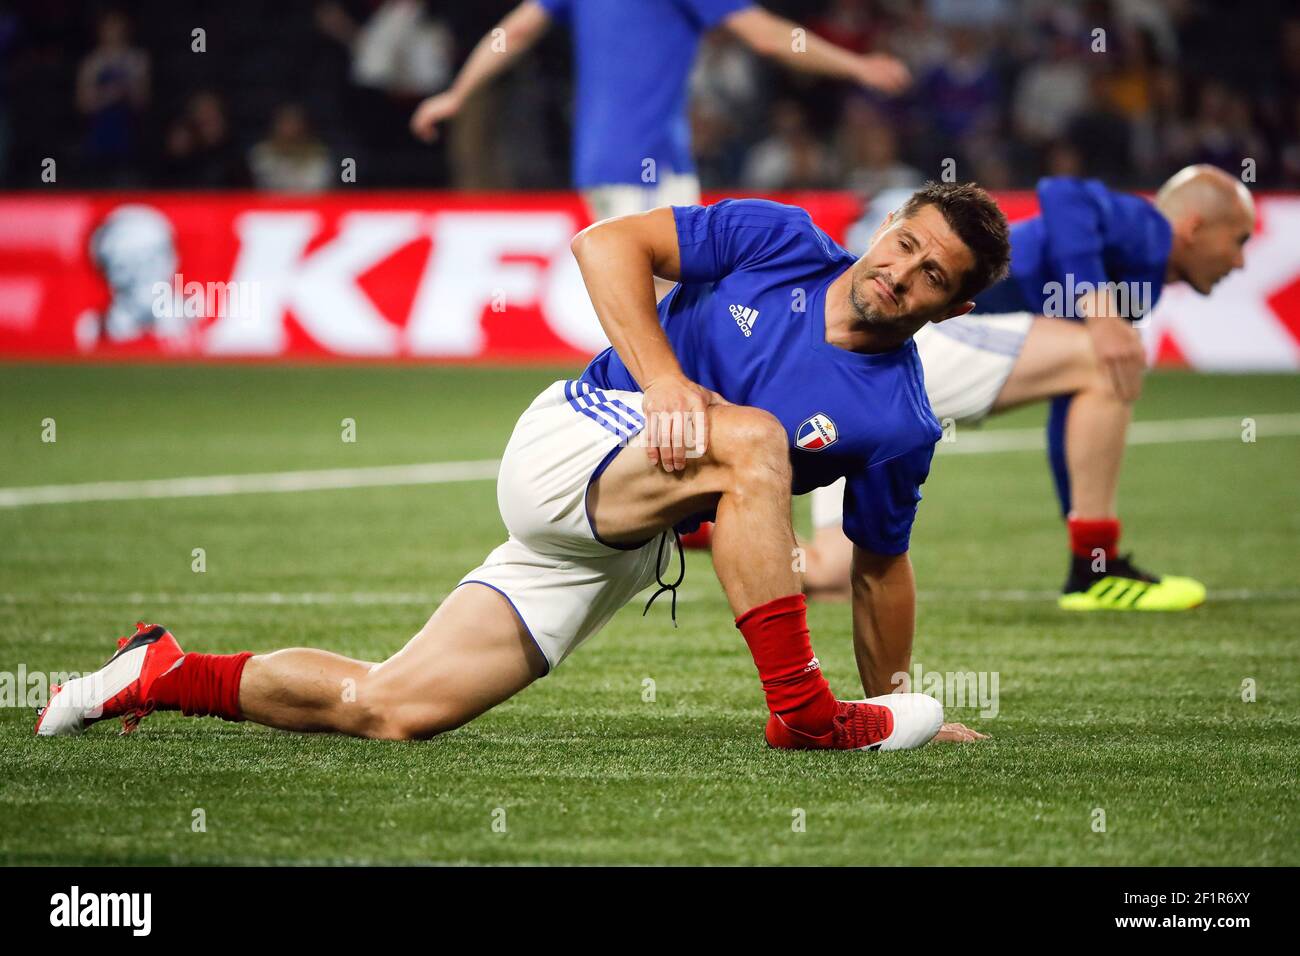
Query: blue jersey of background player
pixel 632 64
pixel 1083 232
pixel 1084 235
pixel 748 321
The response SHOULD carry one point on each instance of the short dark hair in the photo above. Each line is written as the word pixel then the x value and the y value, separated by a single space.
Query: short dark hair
pixel 978 222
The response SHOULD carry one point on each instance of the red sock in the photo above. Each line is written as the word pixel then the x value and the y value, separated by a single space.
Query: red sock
pixel 778 639
pixel 1089 534
pixel 201 685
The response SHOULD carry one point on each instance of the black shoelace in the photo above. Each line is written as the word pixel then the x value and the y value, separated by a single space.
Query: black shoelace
pixel 664 585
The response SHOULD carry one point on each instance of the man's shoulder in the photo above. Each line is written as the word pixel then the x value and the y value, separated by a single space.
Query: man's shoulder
pixel 1049 186
pixel 920 428
pixel 780 224
pixel 760 213
pixel 1093 194
pixel 764 209
pixel 899 424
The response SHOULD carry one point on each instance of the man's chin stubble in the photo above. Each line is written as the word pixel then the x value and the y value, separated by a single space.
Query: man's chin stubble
pixel 865 315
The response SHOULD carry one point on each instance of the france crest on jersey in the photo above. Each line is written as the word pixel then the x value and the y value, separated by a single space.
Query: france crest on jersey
pixel 816 433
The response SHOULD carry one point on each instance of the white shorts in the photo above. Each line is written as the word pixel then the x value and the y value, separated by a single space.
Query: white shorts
pixel 563 582
pixel 624 199
pixel 967 360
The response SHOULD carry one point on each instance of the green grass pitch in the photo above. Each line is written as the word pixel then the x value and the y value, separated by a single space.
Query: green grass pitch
pixel 1139 716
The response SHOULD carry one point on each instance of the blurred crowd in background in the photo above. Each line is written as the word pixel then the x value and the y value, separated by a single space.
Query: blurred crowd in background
pixel 282 92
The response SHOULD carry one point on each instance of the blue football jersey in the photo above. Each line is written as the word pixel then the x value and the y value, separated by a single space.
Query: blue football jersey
pixel 748 321
pixel 1083 233
pixel 632 60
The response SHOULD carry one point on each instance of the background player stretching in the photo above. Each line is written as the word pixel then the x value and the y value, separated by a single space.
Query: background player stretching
pixel 1030 339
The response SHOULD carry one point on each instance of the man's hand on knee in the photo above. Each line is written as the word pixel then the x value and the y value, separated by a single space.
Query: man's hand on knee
pixel 1120 355
pixel 677 420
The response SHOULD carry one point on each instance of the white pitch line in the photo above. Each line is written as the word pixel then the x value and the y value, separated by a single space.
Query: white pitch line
pixel 397 598
pixel 304 598
pixel 1139 433
pixel 434 473
pixel 381 476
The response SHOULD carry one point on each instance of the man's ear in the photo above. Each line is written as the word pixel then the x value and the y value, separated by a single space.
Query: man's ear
pixel 1189 225
pixel 884 224
pixel 958 310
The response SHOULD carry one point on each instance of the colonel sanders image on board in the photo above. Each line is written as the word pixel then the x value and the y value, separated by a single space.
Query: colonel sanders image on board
pixel 134 249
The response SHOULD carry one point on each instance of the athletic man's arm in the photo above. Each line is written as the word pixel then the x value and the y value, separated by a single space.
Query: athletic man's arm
pixel 619 259
pixel 500 47
pixel 884 618
pixel 775 37
pixel 884 621
pixel 1115 341
pixel 1073 217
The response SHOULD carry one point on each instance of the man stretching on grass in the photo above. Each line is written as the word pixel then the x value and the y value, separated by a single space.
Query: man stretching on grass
pixel 815 351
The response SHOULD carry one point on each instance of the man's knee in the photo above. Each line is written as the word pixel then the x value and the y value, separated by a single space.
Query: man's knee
pixel 385 711
pixel 1085 366
pixel 418 723
pixel 1088 370
pixel 751 440
pixel 412 727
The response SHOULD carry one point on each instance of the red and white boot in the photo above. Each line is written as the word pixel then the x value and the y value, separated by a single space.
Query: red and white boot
pixel 118 689
pixel 890 722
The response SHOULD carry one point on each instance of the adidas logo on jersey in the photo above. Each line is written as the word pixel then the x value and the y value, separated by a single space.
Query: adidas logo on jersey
pixel 745 318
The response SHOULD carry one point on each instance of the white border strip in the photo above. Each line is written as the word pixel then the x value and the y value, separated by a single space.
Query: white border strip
pixel 383 476
pixel 404 598
pixel 1139 433
pixel 967 442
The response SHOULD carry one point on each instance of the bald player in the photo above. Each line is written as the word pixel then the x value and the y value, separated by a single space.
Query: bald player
pixel 1059 329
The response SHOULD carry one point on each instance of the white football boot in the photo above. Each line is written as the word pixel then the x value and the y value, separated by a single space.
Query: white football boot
pixel 118 689
pixel 890 722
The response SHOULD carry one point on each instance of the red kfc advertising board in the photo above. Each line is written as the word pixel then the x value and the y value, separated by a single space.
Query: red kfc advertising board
pixel 438 277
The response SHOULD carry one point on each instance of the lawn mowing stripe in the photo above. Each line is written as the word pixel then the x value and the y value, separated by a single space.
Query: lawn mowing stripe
pixel 434 473
pixel 378 598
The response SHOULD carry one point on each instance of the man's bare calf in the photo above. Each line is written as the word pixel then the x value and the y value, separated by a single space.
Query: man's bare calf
pixel 472 654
